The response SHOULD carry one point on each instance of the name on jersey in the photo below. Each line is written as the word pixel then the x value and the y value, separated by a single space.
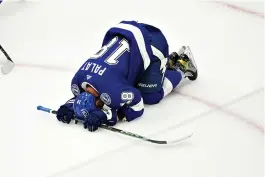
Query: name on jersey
pixel 147 85
pixel 94 68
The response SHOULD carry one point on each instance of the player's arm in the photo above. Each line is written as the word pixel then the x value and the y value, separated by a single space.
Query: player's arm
pixel 128 101
pixel 132 106
pixel 127 105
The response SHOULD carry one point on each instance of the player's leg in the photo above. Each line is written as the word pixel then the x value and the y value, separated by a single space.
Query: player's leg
pixel 179 66
pixel 171 80
pixel 152 80
pixel 156 82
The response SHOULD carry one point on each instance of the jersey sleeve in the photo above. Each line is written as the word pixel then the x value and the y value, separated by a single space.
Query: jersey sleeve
pixel 125 99
pixel 132 105
pixel 131 111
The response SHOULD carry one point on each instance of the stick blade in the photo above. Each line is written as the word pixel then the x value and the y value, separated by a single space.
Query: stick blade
pixel 180 139
pixel 7 67
pixel 171 142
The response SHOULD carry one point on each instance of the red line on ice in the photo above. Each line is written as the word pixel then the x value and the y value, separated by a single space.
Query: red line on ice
pixel 221 108
pixel 208 103
pixel 45 67
pixel 238 8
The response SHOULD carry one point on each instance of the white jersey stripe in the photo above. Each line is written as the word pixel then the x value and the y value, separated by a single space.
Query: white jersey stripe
pixel 160 56
pixel 167 86
pixel 140 41
pixel 139 106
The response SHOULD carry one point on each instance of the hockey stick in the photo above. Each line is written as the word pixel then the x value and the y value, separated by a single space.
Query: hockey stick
pixel 41 108
pixel 5 53
pixel 8 66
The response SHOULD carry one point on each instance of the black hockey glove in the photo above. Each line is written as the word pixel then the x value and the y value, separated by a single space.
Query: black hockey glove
pixel 66 112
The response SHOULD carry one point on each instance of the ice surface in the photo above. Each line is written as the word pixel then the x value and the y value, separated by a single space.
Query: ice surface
pixel 224 108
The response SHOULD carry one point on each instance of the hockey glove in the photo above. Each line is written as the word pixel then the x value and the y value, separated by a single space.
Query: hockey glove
pixel 66 112
pixel 99 117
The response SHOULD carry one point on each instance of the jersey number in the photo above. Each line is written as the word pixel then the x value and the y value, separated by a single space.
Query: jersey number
pixel 114 56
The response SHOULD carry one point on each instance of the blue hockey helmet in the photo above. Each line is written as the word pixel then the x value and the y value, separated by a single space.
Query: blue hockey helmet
pixel 84 104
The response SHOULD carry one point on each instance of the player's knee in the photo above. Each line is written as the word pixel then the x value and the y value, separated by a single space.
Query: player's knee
pixel 152 98
pixel 150 82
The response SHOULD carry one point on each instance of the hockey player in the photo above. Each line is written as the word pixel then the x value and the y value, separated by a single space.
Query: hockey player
pixel 132 68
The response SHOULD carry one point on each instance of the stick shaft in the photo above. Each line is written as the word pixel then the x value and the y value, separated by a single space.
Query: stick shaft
pixel 41 108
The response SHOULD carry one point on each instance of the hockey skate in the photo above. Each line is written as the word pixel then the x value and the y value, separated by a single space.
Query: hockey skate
pixel 184 61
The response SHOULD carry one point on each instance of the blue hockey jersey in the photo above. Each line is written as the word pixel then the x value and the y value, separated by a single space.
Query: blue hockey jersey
pixel 115 69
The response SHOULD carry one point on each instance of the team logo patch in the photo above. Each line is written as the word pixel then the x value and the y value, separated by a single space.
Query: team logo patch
pixel 105 98
pixel 84 112
pixel 75 89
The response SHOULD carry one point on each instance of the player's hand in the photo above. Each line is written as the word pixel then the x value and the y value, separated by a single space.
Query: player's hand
pixel 121 115
pixel 66 113
pixel 94 120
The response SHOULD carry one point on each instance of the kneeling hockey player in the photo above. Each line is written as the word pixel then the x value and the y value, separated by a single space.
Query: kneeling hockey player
pixel 132 68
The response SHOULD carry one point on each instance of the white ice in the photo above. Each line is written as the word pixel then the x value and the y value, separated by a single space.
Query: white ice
pixel 224 108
